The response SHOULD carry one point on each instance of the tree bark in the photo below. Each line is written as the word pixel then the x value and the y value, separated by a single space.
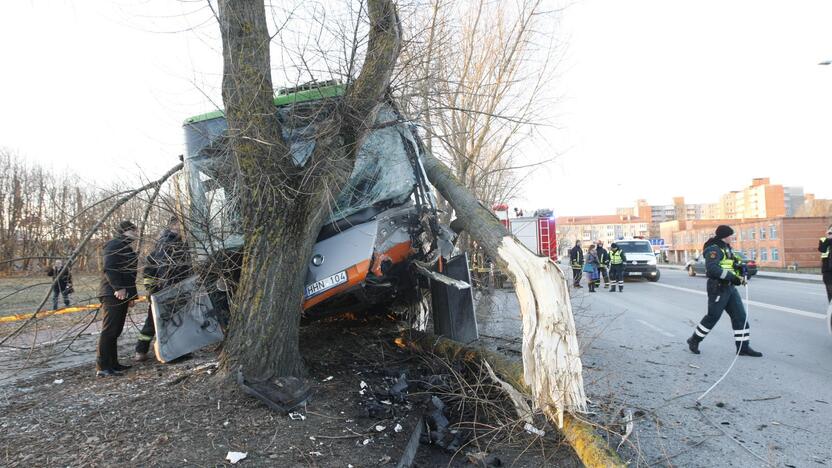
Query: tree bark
pixel 551 355
pixel 283 206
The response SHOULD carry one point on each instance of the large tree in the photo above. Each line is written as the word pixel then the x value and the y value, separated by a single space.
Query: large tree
pixel 283 205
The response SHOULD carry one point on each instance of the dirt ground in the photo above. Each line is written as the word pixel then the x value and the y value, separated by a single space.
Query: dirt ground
pixel 172 415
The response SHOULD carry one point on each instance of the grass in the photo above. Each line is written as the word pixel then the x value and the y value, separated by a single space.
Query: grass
pixel 23 294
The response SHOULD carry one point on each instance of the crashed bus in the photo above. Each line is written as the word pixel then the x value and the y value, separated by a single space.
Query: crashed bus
pixel 381 246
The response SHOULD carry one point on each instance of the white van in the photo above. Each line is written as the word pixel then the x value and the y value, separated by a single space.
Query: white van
pixel 641 261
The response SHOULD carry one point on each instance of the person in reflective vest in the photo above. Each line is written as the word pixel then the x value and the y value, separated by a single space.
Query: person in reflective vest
pixel 576 260
pixel 723 294
pixel 617 260
pixel 603 264
pixel 825 267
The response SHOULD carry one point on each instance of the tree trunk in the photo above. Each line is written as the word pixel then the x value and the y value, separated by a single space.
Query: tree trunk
pixel 283 206
pixel 551 355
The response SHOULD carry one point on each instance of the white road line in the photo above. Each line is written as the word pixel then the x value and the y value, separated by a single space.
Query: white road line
pixel 650 325
pixel 789 310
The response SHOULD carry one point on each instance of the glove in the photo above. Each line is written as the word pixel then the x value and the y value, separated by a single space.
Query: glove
pixel 738 280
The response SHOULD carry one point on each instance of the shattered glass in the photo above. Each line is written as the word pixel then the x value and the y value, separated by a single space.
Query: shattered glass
pixel 383 175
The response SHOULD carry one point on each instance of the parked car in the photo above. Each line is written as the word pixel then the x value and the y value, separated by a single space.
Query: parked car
pixel 697 265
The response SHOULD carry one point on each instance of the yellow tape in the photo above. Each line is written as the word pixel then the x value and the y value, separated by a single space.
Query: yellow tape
pixel 65 310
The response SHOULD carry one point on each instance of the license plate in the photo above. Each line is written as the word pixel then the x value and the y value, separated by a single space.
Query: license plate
pixel 325 284
pixel 634 273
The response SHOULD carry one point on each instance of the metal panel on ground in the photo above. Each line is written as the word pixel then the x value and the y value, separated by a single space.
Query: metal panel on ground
pixel 453 308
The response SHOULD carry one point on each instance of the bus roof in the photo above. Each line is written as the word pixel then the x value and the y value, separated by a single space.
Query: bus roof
pixel 312 94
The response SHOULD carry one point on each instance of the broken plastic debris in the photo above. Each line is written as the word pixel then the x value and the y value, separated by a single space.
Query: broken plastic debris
pixel 363 384
pixel 386 402
pixel 297 416
pixel 328 379
pixel 318 454
pixel 533 430
pixel 361 392
pixel 226 423
pixel 58 381
pixel 380 428
pixel 398 428
pixel 312 438
pixel 366 441
pixel 234 457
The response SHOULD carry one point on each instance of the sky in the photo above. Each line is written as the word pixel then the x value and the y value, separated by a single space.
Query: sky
pixel 656 98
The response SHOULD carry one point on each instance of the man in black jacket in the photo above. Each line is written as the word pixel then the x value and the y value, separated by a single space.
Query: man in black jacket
pixel 117 293
pixel 576 260
pixel 825 264
pixel 167 264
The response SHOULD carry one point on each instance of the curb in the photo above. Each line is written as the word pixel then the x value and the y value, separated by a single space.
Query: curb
pixel 803 278
pixel 592 450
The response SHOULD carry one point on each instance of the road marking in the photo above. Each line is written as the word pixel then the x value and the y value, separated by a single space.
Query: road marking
pixel 788 310
pixel 650 325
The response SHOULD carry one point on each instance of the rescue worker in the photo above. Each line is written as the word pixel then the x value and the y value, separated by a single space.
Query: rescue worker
pixel 576 259
pixel 617 261
pixel 723 294
pixel 61 287
pixel 167 264
pixel 603 264
pixel 117 293
pixel 825 267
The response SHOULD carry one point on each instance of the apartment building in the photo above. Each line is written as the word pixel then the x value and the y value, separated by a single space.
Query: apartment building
pixel 607 228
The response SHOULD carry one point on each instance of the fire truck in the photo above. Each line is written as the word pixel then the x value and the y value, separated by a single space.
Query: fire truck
pixel 536 232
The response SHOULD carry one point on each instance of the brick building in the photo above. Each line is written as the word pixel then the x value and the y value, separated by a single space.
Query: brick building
pixel 771 242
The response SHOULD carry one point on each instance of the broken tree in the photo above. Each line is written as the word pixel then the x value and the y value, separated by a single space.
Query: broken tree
pixel 282 204
pixel 551 356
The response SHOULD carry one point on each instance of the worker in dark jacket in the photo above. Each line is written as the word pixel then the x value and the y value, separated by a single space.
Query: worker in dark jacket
pixel 61 287
pixel 603 264
pixel 167 264
pixel 576 260
pixel 617 261
pixel 825 264
pixel 723 294
pixel 117 293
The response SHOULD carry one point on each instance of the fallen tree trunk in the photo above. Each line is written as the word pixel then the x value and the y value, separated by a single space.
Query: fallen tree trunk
pixel 551 356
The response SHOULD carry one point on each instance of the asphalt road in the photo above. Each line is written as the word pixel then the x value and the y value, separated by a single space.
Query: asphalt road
pixel 769 411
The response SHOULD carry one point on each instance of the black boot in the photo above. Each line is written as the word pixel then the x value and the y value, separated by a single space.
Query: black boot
pixel 591 287
pixel 746 350
pixel 620 288
pixel 693 343
pixel 612 288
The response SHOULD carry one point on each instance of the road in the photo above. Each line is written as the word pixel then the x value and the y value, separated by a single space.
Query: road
pixel 769 411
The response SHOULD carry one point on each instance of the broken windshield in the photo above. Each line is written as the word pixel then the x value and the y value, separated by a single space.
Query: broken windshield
pixel 383 174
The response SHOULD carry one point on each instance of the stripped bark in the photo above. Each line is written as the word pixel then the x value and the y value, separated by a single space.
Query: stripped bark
pixel 551 356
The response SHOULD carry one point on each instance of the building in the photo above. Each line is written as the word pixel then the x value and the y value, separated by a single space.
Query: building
pixel 772 242
pixel 607 228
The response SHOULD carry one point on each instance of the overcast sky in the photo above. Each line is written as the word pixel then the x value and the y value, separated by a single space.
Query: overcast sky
pixel 658 98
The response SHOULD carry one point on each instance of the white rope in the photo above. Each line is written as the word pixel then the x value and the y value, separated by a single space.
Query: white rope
pixel 744 327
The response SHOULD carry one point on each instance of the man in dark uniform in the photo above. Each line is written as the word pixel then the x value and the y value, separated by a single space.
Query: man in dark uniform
pixel 723 294
pixel 63 286
pixel 603 264
pixel 117 293
pixel 617 261
pixel 167 264
pixel 825 264
pixel 576 260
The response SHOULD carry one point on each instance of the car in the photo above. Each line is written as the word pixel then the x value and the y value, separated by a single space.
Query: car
pixel 641 261
pixel 697 265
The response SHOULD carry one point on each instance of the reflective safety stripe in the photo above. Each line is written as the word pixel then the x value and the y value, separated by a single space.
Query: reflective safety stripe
pixel 742 338
pixel 742 332
pixel 143 337
pixel 724 274
pixel 701 331
pixel 704 329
